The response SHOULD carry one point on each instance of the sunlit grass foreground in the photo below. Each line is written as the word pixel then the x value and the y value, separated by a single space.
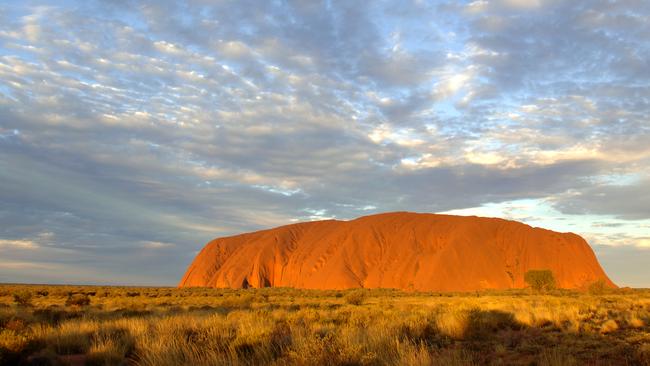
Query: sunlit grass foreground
pixel 163 326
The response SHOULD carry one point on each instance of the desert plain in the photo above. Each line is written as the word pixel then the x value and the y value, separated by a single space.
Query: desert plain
pixel 94 325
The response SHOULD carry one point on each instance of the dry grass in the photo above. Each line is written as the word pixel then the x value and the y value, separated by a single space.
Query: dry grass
pixel 166 326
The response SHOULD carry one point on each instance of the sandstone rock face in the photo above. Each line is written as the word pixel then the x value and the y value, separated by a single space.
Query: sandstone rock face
pixel 411 251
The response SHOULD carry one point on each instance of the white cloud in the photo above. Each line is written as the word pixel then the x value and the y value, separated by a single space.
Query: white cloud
pixel 523 4
pixel 15 265
pixel 156 245
pixel 643 243
pixel 235 49
pixel 18 244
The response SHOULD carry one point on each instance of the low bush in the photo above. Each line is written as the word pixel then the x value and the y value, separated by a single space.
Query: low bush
pixel 597 288
pixel 78 300
pixel 356 297
pixel 23 298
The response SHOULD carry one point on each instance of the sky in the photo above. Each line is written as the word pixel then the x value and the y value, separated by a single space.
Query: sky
pixel 132 133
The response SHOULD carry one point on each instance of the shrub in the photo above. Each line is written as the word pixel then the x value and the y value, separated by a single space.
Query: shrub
pixel 15 325
pixel 355 297
pixel 240 302
pixel 78 300
pixel 597 288
pixel 540 280
pixel 23 298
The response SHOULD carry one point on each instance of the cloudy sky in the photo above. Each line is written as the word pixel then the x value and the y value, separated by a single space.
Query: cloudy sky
pixel 132 134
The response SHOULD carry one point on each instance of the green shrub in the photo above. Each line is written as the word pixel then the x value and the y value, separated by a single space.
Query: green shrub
pixel 598 288
pixel 540 279
pixel 23 298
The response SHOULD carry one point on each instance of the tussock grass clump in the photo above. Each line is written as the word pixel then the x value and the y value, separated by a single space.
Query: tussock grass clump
pixel 356 297
pixel 453 323
pixel 12 341
pixel 609 326
pixel 69 338
pixel 635 322
pixel 109 348
pixel 243 301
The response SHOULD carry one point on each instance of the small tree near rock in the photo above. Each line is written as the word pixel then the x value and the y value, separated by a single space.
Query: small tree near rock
pixel 540 279
pixel 598 288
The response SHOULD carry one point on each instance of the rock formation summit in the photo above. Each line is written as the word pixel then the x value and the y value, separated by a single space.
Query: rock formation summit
pixel 410 251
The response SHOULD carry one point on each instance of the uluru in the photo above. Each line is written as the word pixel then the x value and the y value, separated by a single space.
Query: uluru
pixel 400 250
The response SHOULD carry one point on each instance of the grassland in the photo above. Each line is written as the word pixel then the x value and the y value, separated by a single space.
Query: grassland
pixel 76 325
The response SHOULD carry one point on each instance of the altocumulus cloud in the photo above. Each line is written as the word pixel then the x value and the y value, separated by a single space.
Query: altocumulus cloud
pixel 132 133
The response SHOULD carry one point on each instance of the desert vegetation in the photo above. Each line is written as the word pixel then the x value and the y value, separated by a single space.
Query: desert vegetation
pixel 543 280
pixel 77 325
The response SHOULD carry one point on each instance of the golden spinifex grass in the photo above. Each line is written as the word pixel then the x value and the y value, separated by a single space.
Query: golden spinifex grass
pixel 167 326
